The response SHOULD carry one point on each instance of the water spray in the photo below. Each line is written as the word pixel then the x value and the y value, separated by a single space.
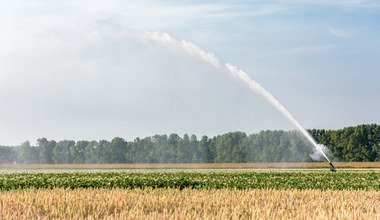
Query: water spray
pixel 255 86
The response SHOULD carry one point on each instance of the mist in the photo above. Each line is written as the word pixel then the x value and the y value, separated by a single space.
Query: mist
pixel 106 80
pixel 317 154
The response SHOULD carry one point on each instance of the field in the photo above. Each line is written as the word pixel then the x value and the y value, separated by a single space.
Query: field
pixel 323 180
pixel 188 204
pixel 222 192
pixel 338 165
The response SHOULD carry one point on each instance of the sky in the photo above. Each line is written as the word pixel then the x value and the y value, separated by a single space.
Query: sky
pixel 91 70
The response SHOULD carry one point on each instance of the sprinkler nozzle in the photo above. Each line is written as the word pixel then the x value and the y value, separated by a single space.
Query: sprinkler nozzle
pixel 332 168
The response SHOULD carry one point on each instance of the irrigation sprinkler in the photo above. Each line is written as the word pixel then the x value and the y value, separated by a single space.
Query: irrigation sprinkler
pixel 332 168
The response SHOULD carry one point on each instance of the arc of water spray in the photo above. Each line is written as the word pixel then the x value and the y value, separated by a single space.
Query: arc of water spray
pixel 255 86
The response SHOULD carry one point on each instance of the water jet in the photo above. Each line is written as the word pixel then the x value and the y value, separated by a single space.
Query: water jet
pixel 236 72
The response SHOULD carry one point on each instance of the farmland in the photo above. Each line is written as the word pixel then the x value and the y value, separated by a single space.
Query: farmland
pixel 59 203
pixel 349 180
pixel 338 165
pixel 114 191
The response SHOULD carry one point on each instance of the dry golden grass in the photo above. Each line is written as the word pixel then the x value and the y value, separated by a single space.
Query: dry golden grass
pixel 188 204
pixel 196 165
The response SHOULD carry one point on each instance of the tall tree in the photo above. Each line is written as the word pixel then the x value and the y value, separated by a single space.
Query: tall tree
pixel 184 154
pixel 27 154
pixel 78 152
pixel 91 152
pixel 204 149
pixel 118 149
pixel 161 148
pixel 173 141
pixel 8 154
pixel 194 149
pixel 62 152
pixel 45 148
pixel 104 151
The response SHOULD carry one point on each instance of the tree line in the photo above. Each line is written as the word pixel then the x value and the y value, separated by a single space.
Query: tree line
pixel 359 143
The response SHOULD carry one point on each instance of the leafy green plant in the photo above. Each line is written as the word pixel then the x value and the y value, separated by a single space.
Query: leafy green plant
pixel 196 180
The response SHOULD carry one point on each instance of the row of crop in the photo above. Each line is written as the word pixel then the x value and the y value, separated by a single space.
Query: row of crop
pixel 197 180
pixel 148 203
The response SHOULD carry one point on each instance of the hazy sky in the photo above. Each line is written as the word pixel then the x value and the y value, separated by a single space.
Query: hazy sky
pixel 90 70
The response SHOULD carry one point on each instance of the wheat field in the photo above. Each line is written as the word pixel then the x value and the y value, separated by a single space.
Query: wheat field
pixel 59 203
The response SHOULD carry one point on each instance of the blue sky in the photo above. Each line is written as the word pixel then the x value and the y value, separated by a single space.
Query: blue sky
pixel 62 62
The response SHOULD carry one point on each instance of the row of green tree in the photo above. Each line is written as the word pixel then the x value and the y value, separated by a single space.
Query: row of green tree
pixel 360 143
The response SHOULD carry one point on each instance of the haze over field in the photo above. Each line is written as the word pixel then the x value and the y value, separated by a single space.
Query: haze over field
pixel 89 70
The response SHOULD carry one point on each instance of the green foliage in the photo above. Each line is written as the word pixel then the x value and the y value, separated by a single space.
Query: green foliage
pixel 78 151
pixel 198 180
pixel 360 143
pixel 103 152
pixel 7 154
pixel 27 153
pixel 117 150
pixel 46 150
pixel 62 152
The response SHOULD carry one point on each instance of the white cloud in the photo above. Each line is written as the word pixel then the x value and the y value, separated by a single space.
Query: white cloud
pixel 340 33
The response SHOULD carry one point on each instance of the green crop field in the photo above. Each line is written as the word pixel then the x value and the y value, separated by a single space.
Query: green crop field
pixel 345 180
pixel 117 193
